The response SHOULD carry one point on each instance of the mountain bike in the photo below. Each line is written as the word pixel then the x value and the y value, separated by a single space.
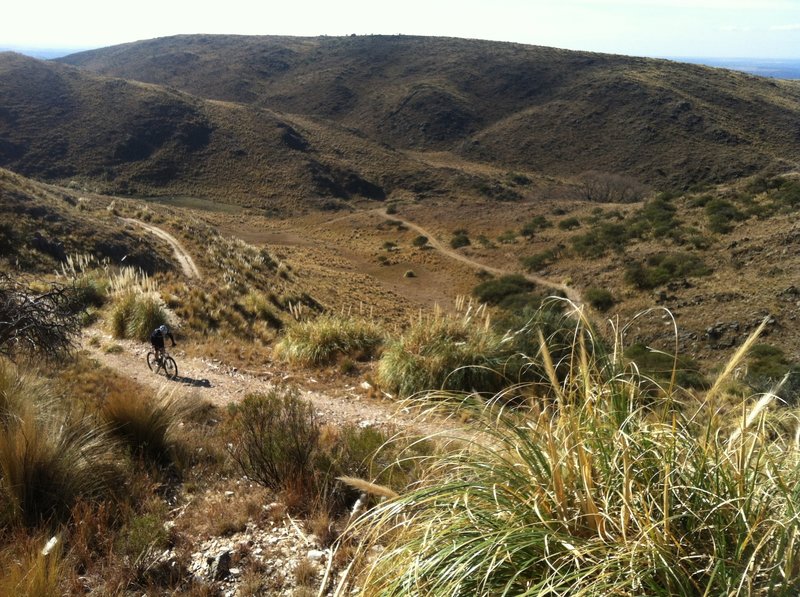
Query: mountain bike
pixel 162 361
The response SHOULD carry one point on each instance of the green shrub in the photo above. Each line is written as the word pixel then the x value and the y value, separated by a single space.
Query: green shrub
pixel 142 535
pixel 599 298
pixel 788 193
pixel 602 237
pixel 539 260
pixel 508 237
pixel 659 215
pixel 274 438
pixel 569 223
pixel 664 267
pixel 420 241
pixel 535 224
pixel 721 215
pixel 328 337
pixel 767 365
pixel 494 292
pixel 598 496
pixel 662 367
pixel 459 240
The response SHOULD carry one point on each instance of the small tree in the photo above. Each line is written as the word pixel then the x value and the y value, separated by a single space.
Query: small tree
pixel 31 323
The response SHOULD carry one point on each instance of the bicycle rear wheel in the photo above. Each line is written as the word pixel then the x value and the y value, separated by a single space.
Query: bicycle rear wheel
pixel 170 368
pixel 152 361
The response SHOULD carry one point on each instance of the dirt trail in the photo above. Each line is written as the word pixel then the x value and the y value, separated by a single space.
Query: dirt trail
pixel 181 255
pixel 571 293
pixel 221 384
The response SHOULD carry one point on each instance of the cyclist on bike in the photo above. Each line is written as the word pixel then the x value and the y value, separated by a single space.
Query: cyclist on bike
pixel 157 339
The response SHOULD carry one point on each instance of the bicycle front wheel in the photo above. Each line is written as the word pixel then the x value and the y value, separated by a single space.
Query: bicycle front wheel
pixel 152 361
pixel 170 368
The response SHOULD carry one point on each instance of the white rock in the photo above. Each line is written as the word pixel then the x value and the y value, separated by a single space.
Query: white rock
pixel 315 555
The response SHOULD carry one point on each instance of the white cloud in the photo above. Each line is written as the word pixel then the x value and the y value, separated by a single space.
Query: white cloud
pixel 792 27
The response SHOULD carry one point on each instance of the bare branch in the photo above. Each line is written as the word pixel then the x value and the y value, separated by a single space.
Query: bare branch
pixel 43 325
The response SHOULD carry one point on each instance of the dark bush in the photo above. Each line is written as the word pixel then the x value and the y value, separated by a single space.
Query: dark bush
pixel 538 261
pixel 459 240
pixel 788 193
pixel 599 298
pixel 663 267
pixel 569 223
pixel 601 238
pixel 420 241
pixel 722 214
pixel 494 292
pixel 659 366
pixel 508 237
pixel 537 223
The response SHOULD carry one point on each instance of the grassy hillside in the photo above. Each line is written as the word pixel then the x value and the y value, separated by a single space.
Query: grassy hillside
pixel 43 225
pixel 63 124
pixel 528 107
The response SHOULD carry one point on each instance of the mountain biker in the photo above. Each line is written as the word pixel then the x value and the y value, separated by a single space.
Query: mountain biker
pixel 157 339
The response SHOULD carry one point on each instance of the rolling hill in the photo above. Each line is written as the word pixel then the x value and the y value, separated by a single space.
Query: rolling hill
pixel 62 124
pixel 520 107
pixel 43 225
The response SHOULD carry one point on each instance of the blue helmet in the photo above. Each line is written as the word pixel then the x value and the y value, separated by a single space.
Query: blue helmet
pixel 164 329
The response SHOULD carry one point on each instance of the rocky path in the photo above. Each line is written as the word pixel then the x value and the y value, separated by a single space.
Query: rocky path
pixel 210 380
pixel 182 256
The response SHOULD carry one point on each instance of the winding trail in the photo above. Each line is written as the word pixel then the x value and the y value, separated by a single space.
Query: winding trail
pixel 571 293
pixel 185 260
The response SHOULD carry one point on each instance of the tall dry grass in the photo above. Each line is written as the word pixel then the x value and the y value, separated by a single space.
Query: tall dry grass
pixel 148 425
pixel 49 462
pixel 21 392
pixel 33 566
pixel 135 315
pixel 329 336
pixel 602 491
pixel 468 352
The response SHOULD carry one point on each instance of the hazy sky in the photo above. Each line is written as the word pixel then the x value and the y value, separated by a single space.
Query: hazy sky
pixel 680 28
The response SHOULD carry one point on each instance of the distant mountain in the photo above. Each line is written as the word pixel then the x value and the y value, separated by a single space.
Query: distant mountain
pixel 60 123
pixel 527 107
pixel 43 53
pixel 277 121
pixel 776 69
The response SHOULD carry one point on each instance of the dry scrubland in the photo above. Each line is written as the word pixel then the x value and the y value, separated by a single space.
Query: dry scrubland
pixel 592 463
pixel 401 231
